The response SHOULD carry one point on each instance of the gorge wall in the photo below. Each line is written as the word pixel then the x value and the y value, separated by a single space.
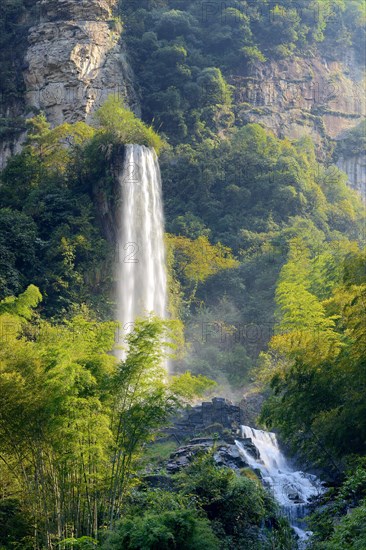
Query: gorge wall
pixel 76 59
pixel 312 96
pixel 355 168
pixel 73 59
pixel 72 56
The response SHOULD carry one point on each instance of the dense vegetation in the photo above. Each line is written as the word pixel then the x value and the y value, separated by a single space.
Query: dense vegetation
pixel 73 420
pixel 50 231
pixel 186 52
pixel 319 352
pixel 297 240
pixel 266 270
pixel 16 16
pixel 354 144
pixel 253 193
pixel 199 514
pixel 238 186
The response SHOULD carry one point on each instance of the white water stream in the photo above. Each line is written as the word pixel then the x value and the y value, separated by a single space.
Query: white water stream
pixel 292 489
pixel 141 272
pixel 142 290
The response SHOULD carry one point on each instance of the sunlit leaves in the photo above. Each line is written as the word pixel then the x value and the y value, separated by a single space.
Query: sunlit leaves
pixel 317 366
pixel 198 259
pixel 120 125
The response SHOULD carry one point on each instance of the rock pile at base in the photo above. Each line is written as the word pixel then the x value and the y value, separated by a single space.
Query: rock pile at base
pixel 213 425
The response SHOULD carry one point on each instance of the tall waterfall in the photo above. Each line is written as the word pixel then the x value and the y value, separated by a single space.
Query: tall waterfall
pixel 141 272
pixel 292 489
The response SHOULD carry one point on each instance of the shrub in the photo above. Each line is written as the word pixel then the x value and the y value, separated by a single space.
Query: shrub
pixel 119 125
pixel 179 529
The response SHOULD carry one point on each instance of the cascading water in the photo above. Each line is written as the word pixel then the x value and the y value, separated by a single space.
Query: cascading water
pixel 141 273
pixel 292 489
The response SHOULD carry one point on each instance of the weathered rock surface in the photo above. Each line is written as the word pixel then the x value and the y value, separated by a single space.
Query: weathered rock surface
pixel 225 454
pixel 218 424
pixel 209 417
pixel 298 96
pixel 313 97
pixel 75 60
pixel 355 168
pixel 10 147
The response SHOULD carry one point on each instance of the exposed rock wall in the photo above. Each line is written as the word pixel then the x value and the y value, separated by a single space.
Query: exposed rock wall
pixel 355 168
pixel 216 414
pixel 298 96
pixel 72 60
pixel 9 147
pixel 76 59
pixel 218 424
pixel 307 97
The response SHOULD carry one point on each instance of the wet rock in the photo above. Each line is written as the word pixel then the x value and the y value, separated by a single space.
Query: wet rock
pixel 294 496
pixel 228 455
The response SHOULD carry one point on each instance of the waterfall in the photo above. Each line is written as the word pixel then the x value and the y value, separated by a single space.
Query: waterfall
pixel 292 489
pixel 141 273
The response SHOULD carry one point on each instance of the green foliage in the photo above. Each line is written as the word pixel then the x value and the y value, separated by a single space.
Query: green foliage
pixel 54 389
pixel 255 194
pixel 156 454
pixel 72 420
pixel 354 144
pixel 340 522
pixel 251 219
pixel 204 499
pixel 256 182
pixel 180 529
pixel 184 53
pixel 16 528
pixel 188 386
pixel 223 495
pixel 23 305
pixel 84 543
pixel 316 366
pixel 49 221
pixel 351 531
pixel 118 125
pixel 193 262
pixel 49 229
pixel 17 250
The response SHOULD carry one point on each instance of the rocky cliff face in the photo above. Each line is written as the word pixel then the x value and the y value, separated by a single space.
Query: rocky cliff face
pixel 315 97
pixel 73 59
pixel 76 59
pixel 211 425
pixel 355 168
pixel 300 96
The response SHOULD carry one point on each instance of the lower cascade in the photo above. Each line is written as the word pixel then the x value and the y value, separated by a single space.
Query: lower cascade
pixel 141 273
pixel 292 489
